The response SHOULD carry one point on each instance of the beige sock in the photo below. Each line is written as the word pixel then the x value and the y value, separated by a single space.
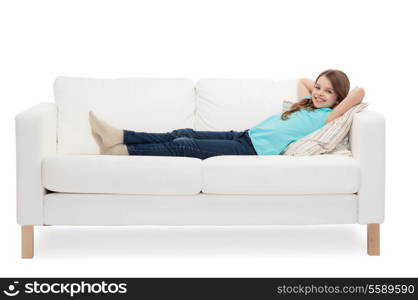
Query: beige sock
pixel 109 135
pixel 119 149
pixel 113 150
pixel 99 142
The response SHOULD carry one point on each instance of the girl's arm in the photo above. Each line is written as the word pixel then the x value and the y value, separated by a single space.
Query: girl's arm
pixel 354 97
pixel 305 87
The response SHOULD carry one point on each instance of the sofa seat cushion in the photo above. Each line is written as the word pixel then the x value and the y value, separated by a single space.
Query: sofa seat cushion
pixel 116 174
pixel 278 174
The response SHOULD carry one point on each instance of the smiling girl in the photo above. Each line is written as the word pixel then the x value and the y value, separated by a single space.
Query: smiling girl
pixel 321 101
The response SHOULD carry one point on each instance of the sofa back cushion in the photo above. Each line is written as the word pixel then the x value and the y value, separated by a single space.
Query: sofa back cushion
pixel 238 104
pixel 141 104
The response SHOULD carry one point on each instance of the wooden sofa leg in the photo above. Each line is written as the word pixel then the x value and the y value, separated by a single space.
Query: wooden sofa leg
pixel 373 239
pixel 27 241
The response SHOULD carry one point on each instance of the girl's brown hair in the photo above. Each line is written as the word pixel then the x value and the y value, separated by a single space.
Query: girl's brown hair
pixel 340 83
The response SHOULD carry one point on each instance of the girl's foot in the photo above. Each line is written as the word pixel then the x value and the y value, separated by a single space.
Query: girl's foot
pixel 119 149
pixel 99 142
pixel 109 135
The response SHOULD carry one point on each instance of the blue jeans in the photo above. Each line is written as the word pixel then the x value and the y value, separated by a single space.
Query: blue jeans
pixel 188 142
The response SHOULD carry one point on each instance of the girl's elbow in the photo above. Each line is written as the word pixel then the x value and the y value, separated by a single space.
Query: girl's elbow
pixel 360 94
pixel 301 81
pixel 304 81
pixel 361 91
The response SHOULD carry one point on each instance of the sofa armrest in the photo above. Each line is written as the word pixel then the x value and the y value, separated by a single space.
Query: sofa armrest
pixel 367 141
pixel 36 137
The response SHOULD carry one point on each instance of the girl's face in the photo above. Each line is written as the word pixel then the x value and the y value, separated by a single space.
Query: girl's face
pixel 323 95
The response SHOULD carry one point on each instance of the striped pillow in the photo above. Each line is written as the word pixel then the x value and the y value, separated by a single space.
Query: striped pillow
pixel 342 148
pixel 332 138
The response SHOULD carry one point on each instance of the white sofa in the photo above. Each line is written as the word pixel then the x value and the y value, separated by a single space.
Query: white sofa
pixel 61 179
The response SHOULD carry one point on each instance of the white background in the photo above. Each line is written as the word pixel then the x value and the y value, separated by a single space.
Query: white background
pixel 374 42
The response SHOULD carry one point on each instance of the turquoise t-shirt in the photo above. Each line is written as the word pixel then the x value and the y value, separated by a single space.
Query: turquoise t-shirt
pixel 273 135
